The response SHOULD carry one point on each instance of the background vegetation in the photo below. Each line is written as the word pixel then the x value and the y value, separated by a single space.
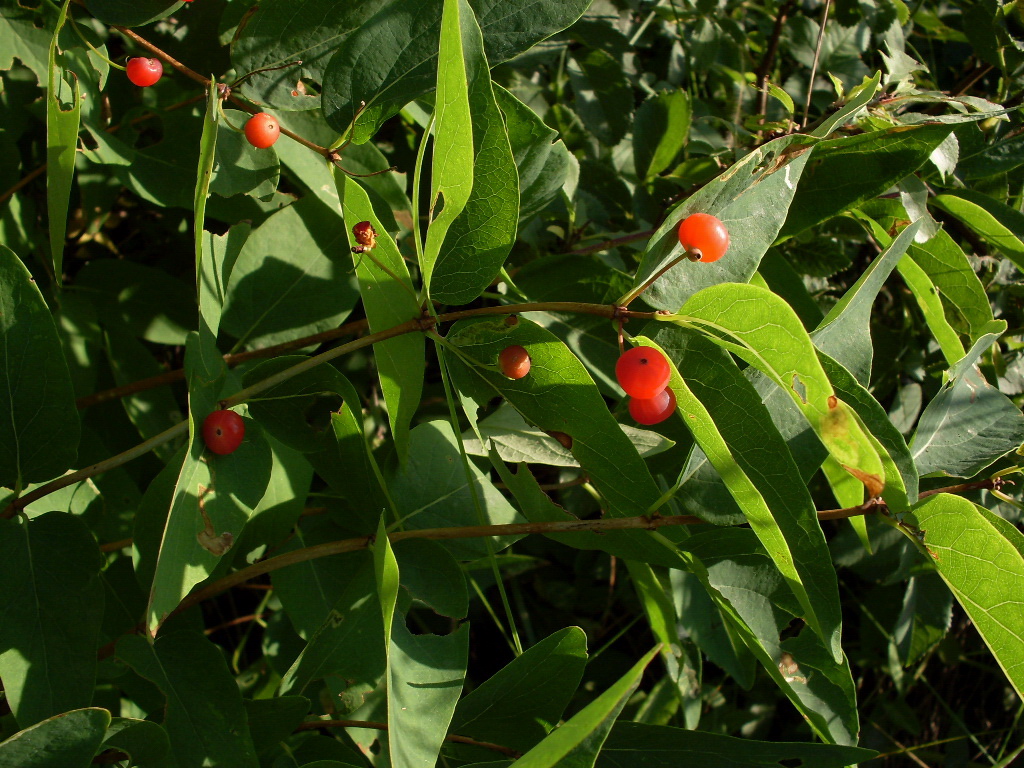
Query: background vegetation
pixel 412 560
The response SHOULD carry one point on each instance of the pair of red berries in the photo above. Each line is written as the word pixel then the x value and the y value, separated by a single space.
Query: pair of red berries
pixel 223 431
pixel 261 130
pixel 644 373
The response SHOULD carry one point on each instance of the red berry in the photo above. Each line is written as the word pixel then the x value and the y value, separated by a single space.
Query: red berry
pixel 514 362
pixel 262 130
pixel 643 372
pixel 705 233
pixel 142 71
pixel 223 432
pixel 653 410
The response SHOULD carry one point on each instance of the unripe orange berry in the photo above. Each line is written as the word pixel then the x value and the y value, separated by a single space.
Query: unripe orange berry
pixel 514 361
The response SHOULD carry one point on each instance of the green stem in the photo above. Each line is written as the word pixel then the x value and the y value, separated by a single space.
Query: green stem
pixel 440 345
pixel 94 49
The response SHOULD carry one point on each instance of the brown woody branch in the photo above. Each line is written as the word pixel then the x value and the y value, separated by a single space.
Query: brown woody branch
pixel 417 324
pixel 645 522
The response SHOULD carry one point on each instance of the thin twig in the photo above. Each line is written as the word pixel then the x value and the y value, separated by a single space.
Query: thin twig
pixel 354 328
pixel 614 242
pixel 645 522
pixel 312 725
pixel 205 82
pixel 23 182
pixel 349 329
pixel 417 324
pixel 814 64
pixel 768 59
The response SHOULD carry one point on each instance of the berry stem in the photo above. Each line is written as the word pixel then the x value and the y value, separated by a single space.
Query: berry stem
pixel 93 48
pixel 689 255
pixel 224 117
pixel 644 522
pixel 247 75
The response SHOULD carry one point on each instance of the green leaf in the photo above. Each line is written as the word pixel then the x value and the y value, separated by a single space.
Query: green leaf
pixel 145 741
pixel 901 476
pixel 431 491
pixel 433 577
pixel 39 426
pixel 275 517
pixel 392 58
pixel 760 328
pixel 204 716
pixel 542 162
pixel 213 496
pixel 452 175
pixel 273 720
pixel 52 606
pixel 479 239
pixel 659 746
pixel 155 305
pixel 61 144
pixel 576 743
pixel 756 604
pixel 21 39
pixel 207 296
pixel 288 409
pixel 847 171
pixel 930 302
pixel 274 35
pixel 154 172
pixel 348 647
pixel 984 570
pixel 131 13
pixel 238 169
pixel 389 300
pixel 559 396
pixel 845 333
pixel 425 673
pixel 604 98
pixel 348 465
pixel 704 624
pixel 425 679
pixel 682 661
pixel 68 740
pixel 857 99
pixel 782 97
pixel 733 428
pixel 967 426
pixel 522 702
pixel 751 198
pixel 925 618
pixel 948 268
pixel 287 281
pixel 994 221
pixel 516 441
pixel 151 411
pixel 660 130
